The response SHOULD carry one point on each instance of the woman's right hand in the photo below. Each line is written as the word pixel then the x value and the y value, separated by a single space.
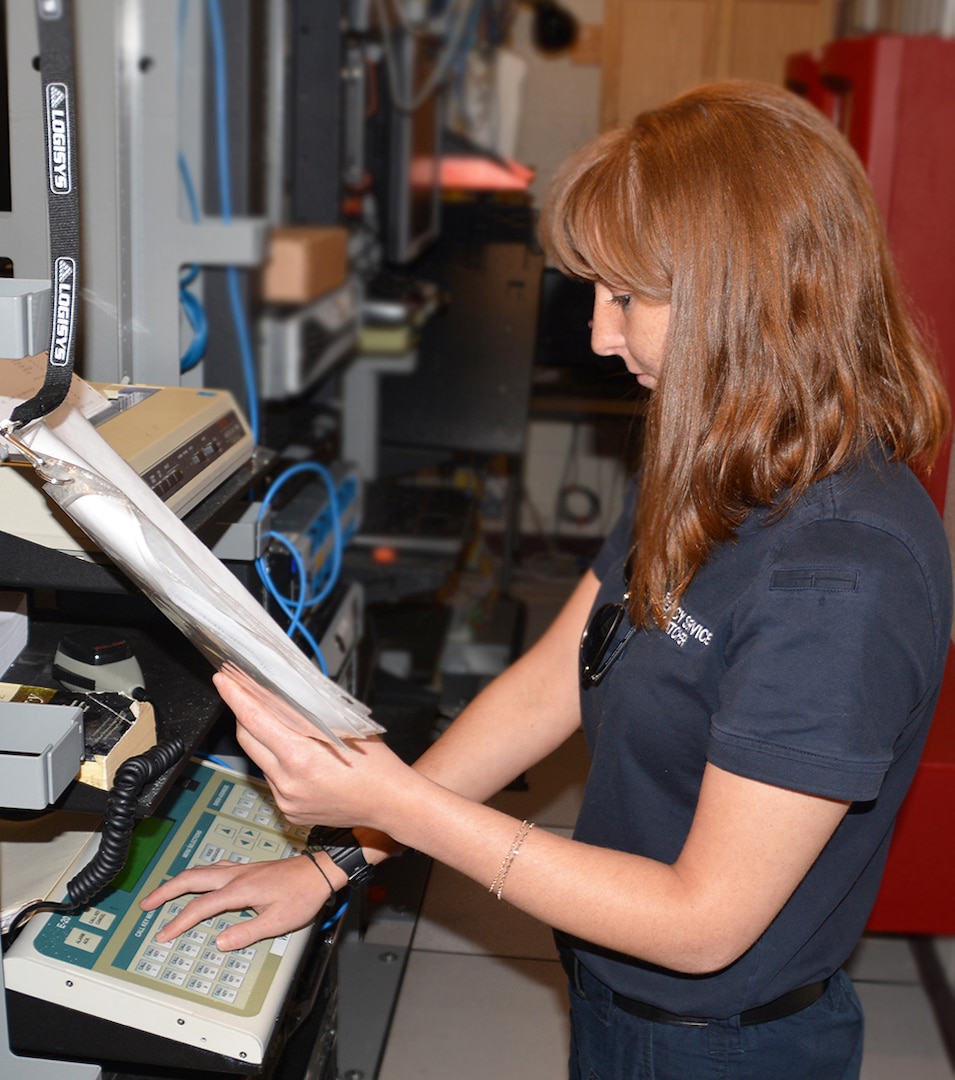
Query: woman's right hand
pixel 285 895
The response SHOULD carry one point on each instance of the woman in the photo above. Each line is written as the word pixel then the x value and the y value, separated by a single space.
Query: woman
pixel 766 625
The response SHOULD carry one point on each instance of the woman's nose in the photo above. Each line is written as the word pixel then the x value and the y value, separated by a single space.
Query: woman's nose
pixel 605 336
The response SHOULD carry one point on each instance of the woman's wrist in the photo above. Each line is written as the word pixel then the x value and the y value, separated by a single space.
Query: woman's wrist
pixel 376 846
pixel 329 873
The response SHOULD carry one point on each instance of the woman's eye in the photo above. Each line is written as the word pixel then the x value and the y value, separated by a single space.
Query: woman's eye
pixel 621 300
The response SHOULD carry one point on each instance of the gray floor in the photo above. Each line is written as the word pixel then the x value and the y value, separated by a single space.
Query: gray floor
pixel 482 992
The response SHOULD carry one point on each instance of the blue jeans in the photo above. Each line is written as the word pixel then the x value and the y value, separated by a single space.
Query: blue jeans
pixel 822 1042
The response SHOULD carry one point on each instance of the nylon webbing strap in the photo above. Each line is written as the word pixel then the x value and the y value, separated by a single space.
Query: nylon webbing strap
pixel 55 26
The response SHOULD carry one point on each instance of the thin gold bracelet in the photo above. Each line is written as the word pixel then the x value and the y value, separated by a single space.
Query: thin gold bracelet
pixel 497 885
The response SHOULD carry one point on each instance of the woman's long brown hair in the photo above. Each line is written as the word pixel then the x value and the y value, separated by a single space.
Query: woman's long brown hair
pixel 790 348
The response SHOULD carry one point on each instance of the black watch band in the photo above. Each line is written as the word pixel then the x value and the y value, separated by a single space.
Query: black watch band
pixel 343 849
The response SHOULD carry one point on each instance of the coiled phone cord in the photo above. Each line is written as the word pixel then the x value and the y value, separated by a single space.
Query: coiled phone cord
pixel 131 778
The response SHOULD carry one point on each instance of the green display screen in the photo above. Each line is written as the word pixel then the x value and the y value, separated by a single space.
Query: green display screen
pixel 145 842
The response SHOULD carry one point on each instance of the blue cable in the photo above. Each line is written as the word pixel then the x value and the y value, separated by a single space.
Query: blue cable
pixel 245 349
pixel 191 304
pixel 338 914
pixel 215 761
pixel 293 609
pixel 196 315
pixel 331 576
pixel 310 593
pixel 221 97
pixel 243 334
pixel 190 189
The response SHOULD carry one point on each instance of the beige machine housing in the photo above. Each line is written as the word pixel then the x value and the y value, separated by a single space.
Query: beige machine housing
pixel 182 441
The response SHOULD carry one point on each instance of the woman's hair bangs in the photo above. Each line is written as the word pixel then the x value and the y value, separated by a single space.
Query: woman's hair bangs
pixel 592 225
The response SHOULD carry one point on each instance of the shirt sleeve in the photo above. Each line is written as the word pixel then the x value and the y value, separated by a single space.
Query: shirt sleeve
pixel 830 655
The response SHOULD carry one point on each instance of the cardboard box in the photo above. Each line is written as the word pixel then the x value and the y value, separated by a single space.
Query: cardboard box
pixel 304 263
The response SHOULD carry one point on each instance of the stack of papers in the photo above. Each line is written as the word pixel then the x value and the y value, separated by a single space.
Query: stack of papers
pixel 33 856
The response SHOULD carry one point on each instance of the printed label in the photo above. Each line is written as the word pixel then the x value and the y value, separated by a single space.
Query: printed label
pixel 57 102
pixel 64 305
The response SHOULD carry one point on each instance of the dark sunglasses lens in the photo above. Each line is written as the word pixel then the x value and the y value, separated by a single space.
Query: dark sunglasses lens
pixel 628 569
pixel 596 640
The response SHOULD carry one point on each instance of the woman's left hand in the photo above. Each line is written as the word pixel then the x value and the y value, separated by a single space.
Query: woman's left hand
pixel 313 780
pixel 285 895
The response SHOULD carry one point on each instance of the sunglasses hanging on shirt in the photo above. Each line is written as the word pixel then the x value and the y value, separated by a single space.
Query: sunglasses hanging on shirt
pixel 598 647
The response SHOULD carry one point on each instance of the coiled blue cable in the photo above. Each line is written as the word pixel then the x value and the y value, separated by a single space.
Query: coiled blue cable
pixel 310 592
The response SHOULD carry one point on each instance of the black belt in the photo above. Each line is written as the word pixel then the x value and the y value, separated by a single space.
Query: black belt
pixel 786 1005
pixel 795 1001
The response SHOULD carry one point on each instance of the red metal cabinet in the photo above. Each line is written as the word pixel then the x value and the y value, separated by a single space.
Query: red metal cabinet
pixel 893 96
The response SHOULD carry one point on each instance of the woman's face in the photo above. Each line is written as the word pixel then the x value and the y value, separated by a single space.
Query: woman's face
pixel 625 326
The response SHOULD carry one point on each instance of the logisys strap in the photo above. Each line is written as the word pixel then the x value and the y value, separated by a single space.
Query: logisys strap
pixel 55 26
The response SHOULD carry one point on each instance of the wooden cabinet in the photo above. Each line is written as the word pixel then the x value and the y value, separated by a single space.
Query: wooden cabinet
pixel 655 49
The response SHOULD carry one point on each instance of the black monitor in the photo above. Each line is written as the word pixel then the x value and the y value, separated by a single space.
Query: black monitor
pixel 563 332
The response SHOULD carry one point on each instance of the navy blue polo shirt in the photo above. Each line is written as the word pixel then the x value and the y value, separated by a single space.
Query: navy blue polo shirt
pixel 808 654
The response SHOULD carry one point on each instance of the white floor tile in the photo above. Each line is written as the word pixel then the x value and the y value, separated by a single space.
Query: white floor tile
pixel 945 947
pixel 458 916
pixel 883 958
pixel 902 1041
pixel 554 788
pixel 475 1017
